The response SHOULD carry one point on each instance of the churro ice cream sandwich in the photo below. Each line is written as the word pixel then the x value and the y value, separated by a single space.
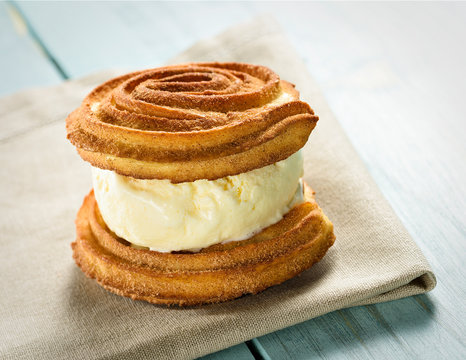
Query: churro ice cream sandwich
pixel 197 184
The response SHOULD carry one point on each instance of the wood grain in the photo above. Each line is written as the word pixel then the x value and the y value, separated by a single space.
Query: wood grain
pixel 394 75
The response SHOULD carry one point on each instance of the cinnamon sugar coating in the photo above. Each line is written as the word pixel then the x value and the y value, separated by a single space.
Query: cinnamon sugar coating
pixel 190 122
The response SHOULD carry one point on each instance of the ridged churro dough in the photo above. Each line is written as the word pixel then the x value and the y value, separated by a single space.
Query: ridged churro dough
pixel 190 122
pixel 218 273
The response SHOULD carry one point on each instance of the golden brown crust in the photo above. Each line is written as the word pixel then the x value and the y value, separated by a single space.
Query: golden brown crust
pixel 218 273
pixel 176 122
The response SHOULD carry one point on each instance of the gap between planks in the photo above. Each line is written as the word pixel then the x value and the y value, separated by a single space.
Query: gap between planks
pixel 19 17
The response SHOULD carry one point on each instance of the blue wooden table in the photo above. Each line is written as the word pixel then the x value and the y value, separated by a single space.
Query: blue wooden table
pixel 394 74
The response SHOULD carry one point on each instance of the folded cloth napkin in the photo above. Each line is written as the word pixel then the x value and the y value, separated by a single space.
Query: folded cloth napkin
pixel 49 309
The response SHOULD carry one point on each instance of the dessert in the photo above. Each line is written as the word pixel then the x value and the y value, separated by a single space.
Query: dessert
pixel 197 196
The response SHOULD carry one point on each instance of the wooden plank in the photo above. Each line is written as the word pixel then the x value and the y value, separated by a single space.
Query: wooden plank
pixel 23 64
pixel 380 77
pixel 401 329
pixel 124 35
pixel 378 66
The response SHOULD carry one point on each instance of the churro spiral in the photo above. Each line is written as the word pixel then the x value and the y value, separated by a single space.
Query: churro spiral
pixel 190 122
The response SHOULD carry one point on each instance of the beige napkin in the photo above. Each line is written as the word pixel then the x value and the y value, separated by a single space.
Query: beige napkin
pixel 49 309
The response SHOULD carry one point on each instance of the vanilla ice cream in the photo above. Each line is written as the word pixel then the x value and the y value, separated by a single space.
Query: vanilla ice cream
pixel 168 217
